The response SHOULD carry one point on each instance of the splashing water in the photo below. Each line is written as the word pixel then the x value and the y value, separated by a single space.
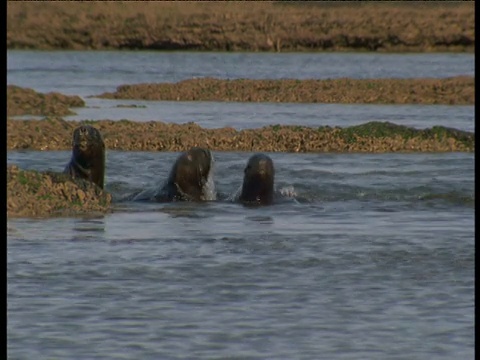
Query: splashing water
pixel 288 191
pixel 210 192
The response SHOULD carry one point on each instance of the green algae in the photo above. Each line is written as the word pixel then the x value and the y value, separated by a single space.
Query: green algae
pixel 377 129
pixel 442 132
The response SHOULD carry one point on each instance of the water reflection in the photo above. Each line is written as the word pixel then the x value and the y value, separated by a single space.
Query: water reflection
pixel 89 228
pixel 262 220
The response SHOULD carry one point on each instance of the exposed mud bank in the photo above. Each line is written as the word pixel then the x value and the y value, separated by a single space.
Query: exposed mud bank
pixel 25 101
pixel 242 26
pixel 458 90
pixel 44 194
pixel 55 134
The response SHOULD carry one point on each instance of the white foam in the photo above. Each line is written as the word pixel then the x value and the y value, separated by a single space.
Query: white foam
pixel 288 191
pixel 209 190
pixel 235 195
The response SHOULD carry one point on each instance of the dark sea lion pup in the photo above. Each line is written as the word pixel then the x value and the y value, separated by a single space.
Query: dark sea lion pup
pixel 258 181
pixel 190 178
pixel 88 155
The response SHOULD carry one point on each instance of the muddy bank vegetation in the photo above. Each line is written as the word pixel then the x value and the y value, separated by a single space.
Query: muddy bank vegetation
pixel 242 26
pixel 55 134
pixel 458 90
pixel 41 194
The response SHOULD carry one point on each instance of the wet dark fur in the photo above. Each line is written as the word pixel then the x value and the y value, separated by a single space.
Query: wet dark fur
pixel 188 177
pixel 258 181
pixel 88 155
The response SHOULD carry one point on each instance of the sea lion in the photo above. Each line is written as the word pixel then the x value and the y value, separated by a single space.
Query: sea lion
pixel 88 155
pixel 190 178
pixel 258 181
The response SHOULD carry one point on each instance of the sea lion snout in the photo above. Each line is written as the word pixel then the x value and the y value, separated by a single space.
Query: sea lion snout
pixel 80 132
pixel 83 130
pixel 263 166
pixel 86 136
pixel 80 138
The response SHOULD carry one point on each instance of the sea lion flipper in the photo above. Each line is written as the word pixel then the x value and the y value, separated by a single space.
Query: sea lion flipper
pixel 167 193
pixel 69 169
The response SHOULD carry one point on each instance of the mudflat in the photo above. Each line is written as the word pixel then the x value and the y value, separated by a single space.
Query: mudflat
pixel 243 26
pixel 39 194
pixel 22 101
pixel 54 133
pixel 374 137
pixel 458 90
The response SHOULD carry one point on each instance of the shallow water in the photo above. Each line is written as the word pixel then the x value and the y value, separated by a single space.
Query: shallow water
pixel 253 115
pixel 93 72
pixel 373 258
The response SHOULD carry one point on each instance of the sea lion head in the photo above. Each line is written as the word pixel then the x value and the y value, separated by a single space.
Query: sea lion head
pixel 191 173
pixel 86 140
pixel 258 180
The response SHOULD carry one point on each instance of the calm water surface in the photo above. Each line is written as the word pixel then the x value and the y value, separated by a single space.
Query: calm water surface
pixel 373 258
pixel 254 115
